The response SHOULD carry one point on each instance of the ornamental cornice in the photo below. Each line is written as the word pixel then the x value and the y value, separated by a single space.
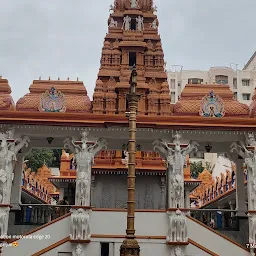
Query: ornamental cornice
pixel 132 44
pixel 108 72
pixel 123 129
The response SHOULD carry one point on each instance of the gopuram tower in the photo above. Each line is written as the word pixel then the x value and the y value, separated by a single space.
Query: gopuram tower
pixel 132 39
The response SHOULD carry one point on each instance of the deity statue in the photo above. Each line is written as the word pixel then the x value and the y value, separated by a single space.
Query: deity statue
pixel 176 158
pixel 127 23
pixel 140 23
pixel 8 152
pixel 80 224
pixel 112 23
pixel 84 156
pixel 134 4
pixel 154 24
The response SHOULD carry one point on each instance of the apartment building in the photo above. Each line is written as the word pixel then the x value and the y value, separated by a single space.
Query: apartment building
pixel 242 82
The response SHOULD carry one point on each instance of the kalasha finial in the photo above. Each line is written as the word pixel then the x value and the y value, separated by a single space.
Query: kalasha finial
pixel 77 79
pixel 39 77
pixel 68 78
pixel 49 78
pixel 58 79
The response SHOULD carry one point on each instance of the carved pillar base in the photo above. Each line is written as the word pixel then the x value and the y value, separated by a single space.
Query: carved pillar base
pixel 130 247
pixel 177 250
pixel 80 224
pixel 78 249
pixel 177 231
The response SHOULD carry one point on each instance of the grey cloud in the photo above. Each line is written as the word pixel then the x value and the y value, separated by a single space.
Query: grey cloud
pixel 64 38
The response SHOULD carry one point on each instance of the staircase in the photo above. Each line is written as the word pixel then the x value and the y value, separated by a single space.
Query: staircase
pixel 109 226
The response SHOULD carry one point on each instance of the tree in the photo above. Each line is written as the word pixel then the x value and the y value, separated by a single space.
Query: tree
pixel 196 168
pixel 38 157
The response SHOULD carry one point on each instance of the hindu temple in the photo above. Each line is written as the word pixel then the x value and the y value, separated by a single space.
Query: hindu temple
pixel 173 210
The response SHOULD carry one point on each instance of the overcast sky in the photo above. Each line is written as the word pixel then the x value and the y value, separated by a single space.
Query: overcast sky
pixel 64 38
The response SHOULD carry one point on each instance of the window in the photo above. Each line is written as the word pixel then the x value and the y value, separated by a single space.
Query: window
pixel 235 95
pixel 178 84
pixel 172 83
pixel 221 79
pixel 173 97
pixel 133 24
pixel 234 83
pixel 104 249
pixel 195 81
pixel 246 82
pixel 132 59
pixel 246 96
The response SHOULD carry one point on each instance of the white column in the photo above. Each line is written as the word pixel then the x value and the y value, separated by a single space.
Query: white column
pixel 85 152
pixel 187 199
pixel 175 156
pixel 61 193
pixel 163 189
pixel 16 183
pixel 9 149
pixel 240 189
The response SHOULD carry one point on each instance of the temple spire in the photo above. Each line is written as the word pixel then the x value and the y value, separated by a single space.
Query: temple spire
pixel 132 38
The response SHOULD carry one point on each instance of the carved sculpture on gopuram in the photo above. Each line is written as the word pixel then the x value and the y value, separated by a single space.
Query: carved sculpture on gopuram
pixel 175 155
pixel 84 155
pixel 8 151
pixel 134 3
pixel 112 23
pixel 52 101
pixel 212 106
pixel 247 151
pixel 154 24
pixel 140 23
pixel 127 23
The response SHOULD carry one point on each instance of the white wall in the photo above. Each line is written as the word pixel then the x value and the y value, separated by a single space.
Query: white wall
pixel 114 224
pixel 57 231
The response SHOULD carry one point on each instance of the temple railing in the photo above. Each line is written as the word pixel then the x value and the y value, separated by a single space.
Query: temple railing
pixel 40 193
pixel 211 193
pixel 39 214
pixel 218 219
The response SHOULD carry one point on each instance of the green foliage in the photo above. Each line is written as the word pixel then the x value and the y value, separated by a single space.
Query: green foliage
pixel 196 168
pixel 38 157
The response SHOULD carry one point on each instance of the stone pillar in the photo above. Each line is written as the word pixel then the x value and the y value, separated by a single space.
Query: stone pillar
pixel 240 189
pixel 16 183
pixel 92 188
pixel 175 156
pixel 187 199
pixel 232 208
pixel 163 189
pixel 61 193
pixel 85 152
pixel 247 150
pixel 10 146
